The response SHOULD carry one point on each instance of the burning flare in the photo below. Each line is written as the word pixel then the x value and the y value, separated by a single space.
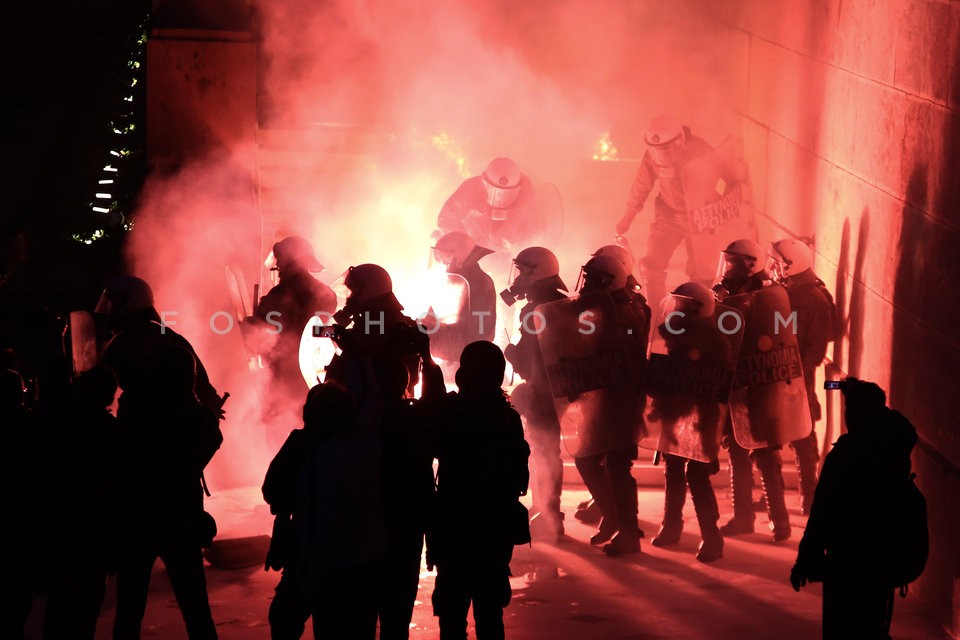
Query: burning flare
pixel 605 149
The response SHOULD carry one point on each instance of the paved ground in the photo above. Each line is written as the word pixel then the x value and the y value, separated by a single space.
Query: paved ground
pixel 568 591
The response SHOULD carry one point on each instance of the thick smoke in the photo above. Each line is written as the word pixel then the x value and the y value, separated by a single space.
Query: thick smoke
pixel 391 104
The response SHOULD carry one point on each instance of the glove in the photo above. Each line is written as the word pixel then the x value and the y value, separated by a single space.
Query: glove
pixel 623 225
pixel 797 579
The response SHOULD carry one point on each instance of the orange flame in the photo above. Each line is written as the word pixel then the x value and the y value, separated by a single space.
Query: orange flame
pixel 605 149
pixel 444 142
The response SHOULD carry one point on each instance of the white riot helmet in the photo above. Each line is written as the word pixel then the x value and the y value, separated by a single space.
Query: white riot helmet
pixel 665 139
pixel 531 265
pixel 501 180
pixel 619 253
pixel 740 260
pixel 293 250
pixel 455 248
pixel 602 273
pixel 788 257
pixel 693 299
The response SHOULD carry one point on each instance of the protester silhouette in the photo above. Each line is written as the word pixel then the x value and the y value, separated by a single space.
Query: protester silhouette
pixel 17 534
pixel 408 484
pixel 482 470
pixel 847 542
pixel 83 456
pixel 166 439
pixel 324 488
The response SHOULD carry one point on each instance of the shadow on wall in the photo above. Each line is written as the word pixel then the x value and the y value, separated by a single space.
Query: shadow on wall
pixel 854 320
pixel 922 380
pixel 840 291
pixel 850 301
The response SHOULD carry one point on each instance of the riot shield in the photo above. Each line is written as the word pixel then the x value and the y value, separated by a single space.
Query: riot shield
pixel 717 199
pixel 594 373
pixel 238 298
pixel 83 341
pixel 455 324
pixel 316 352
pixel 549 208
pixel 688 380
pixel 768 402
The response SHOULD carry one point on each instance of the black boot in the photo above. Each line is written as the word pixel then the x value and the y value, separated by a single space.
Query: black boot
pixel 807 459
pixel 674 495
pixel 588 512
pixel 741 485
pixel 608 529
pixel 771 473
pixel 708 512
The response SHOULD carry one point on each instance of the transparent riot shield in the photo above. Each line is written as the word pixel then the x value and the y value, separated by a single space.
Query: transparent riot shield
pixel 450 321
pixel 549 208
pixel 595 376
pixel 242 307
pixel 83 341
pixel 316 351
pixel 716 195
pixel 768 402
pixel 688 380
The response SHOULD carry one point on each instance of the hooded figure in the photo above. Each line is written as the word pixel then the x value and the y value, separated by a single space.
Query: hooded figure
pixel 862 478
pixel 482 471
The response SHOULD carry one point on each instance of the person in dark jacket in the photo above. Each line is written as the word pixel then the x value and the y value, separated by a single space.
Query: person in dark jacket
pixel 858 478
pixel 84 458
pixel 482 471
pixel 538 281
pixel 139 333
pixel 166 439
pixel 17 451
pixel 324 487
pixel 408 485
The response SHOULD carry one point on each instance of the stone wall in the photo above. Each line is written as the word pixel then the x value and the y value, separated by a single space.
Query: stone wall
pixel 849 110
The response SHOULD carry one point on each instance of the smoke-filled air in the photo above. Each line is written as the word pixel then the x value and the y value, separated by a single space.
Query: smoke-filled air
pixel 388 106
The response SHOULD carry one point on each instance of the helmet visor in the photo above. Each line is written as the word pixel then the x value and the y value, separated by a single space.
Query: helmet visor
pixel 501 198
pixel 734 268
pixel 667 155
pixel 679 308
pixel 777 268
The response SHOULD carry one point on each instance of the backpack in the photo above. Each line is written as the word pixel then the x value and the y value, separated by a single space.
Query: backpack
pixel 836 318
pixel 908 534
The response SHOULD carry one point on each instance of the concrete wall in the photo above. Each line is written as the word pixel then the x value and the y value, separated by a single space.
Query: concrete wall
pixel 202 97
pixel 850 115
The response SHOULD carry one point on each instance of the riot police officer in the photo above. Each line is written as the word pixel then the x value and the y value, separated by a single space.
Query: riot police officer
pixel 791 264
pixel 676 160
pixel 461 256
pixel 760 404
pixel 376 323
pixel 692 336
pixel 282 314
pixel 607 473
pixel 588 511
pixel 498 208
pixel 538 282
